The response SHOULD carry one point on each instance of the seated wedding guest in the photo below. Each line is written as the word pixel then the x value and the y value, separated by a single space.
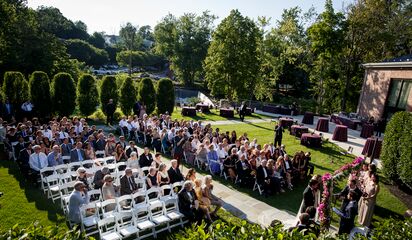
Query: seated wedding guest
pixel 229 165
pixel 77 198
pixel 343 195
pixel 201 155
pixel 110 148
pixel 275 177
pixel 207 192
pixel 263 177
pixel 146 158
pixel 77 154
pixel 162 176
pixel 37 162
pixel 132 162
pixel 189 151
pixel 303 226
pixel 89 151
pixel 66 148
pixel 98 179
pixel 122 142
pixel 151 179
pixel 188 203
pixel 204 202
pixel 131 148
pixel 174 173
pixel 157 160
pixel 281 168
pixel 54 158
pixel 348 214
pixel 221 152
pixel 82 177
pixel 191 175
pixel 24 158
pixel 127 183
pixel 213 158
pixel 109 192
pixel 243 171
pixel 119 155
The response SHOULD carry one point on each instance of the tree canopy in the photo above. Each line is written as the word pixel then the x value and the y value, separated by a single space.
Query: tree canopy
pixel 63 94
pixel 87 94
pixel 127 96
pixel 40 92
pixel 147 94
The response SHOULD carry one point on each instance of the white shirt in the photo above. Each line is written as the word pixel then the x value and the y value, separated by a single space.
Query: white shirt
pixel 170 136
pixel 48 133
pixel 123 123
pixel 78 128
pixel 240 153
pixel 63 134
pixel 38 161
pixel 27 107
pixel 221 153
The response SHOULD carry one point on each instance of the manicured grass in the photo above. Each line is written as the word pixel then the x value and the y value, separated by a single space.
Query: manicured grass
pixel 212 116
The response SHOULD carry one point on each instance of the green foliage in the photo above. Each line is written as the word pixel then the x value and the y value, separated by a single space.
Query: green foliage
pixel 184 42
pixel 85 52
pixel 139 58
pixel 15 87
pixel 193 100
pixel 392 229
pixel 97 40
pixel 130 41
pixel 147 94
pixel 63 94
pixel 127 96
pixel 396 150
pixel 108 90
pixel 232 65
pixel 165 99
pixel 87 94
pixel 40 92
pixel 37 231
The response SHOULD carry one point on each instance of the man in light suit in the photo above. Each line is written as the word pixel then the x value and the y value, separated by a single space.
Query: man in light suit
pixel 54 158
pixel 127 183
pixel 77 154
pixel 77 198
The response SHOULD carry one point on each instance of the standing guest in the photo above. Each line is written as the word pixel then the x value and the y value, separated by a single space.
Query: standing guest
pixel 189 151
pixel 309 195
pixel 207 192
pixel 178 150
pixel 54 158
pixel 77 154
pixel 131 148
pixel 368 201
pixel 348 214
pixel 24 158
pixel 136 108
pixel 98 179
pixel 38 161
pixel 191 175
pixel 307 165
pixel 66 148
pixel 77 198
pixel 82 177
pixel 188 203
pixel 8 110
pixel 242 111
pixel 127 183
pixel 174 173
pixel 109 111
pixel 162 176
pixel 146 159
pixel 151 179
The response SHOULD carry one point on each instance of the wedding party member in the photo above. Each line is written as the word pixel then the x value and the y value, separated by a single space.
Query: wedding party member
pixel 368 201
pixel 309 194
pixel 348 213
pixel 343 195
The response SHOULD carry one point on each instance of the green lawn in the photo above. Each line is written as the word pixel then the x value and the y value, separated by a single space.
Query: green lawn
pixel 212 116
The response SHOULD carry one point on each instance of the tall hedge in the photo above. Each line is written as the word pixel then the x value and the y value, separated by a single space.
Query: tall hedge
pixel 397 148
pixel 147 94
pixel 108 90
pixel 127 96
pixel 15 88
pixel 165 96
pixel 87 94
pixel 63 94
pixel 40 92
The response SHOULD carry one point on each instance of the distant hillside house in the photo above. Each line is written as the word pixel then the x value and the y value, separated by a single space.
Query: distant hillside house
pixel 387 88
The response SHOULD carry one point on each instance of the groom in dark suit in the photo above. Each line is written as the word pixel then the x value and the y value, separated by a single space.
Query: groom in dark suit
pixel 309 194
pixel 347 216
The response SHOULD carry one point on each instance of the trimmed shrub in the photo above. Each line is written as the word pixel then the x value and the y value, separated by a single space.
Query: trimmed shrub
pixel 396 150
pixel 37 231
pixel 127 96
pixel 108 90
pixel 165 100
pixel 15 88
pixel 87 94
pixel 40 92
pixel 147 94
pixel 63 94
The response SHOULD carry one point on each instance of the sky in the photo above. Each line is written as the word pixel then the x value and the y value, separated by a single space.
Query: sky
pixel 108 15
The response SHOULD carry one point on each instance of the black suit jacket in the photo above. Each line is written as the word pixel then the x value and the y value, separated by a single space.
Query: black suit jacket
pixel 145 161
pixel 184 200
pixel 308 198
pixel 347 220
pixel 130 150
pixel 66 149
pixel 18 148
pixel 23 158
pixel 100 145
pixel 74 157
pixel 344 193
pixel 125 185
pixel 174 175
pixel 260 175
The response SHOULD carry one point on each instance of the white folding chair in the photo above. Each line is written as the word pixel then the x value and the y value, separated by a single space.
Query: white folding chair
pixel 153 195
pixel 89 216
pixel 158 216
pixel 124 203
pixel 172 212
pixel 65 191
pixel 108 208
pixel 177 186
pixel 110 160
pixel 256 186
pixel 143 170
pixel 66 159
pixel 53 182
pixel 44 172
pixel 95 195
pixel 144 223
pixel 61 168
pixel 139 200
pixel 120 166
pixel 66 177
pixel 73 166
pixel 88 163
pixel 108 229
pixel 102 161
pixel 141 184
pixel 13 151
pixel 126 224
pixel 169 195
pixel 100 153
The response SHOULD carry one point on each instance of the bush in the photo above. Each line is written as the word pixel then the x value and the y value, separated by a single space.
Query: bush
pixel 36 231
pixel 87 94
pixel 63 94
pixel 397 148
pixel 127 96
pixel 98 115
pixel 147 94
pixel 15 88
pixel 165 96
pixel 40 92
pixel 108 90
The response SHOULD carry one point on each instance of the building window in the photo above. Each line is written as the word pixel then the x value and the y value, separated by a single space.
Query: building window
pixel 398 96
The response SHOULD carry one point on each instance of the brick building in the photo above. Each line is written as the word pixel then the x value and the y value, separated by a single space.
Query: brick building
pixel 387 88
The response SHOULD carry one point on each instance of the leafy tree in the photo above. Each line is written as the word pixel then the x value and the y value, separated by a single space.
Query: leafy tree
pixel 165 98
pixel 40 92
pixel 127 96
pixel 184 42
pixel 87 94
pixel 85 52
pixel 108 90
pixel 139 58
pixel 63 94
pixel 146 32
pixel 232 64
pixel 147 94
pixel 97 40
pixel 15 88
pixel 130 41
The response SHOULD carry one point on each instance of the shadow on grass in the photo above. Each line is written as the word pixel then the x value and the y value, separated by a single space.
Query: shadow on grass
pixel 33 194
